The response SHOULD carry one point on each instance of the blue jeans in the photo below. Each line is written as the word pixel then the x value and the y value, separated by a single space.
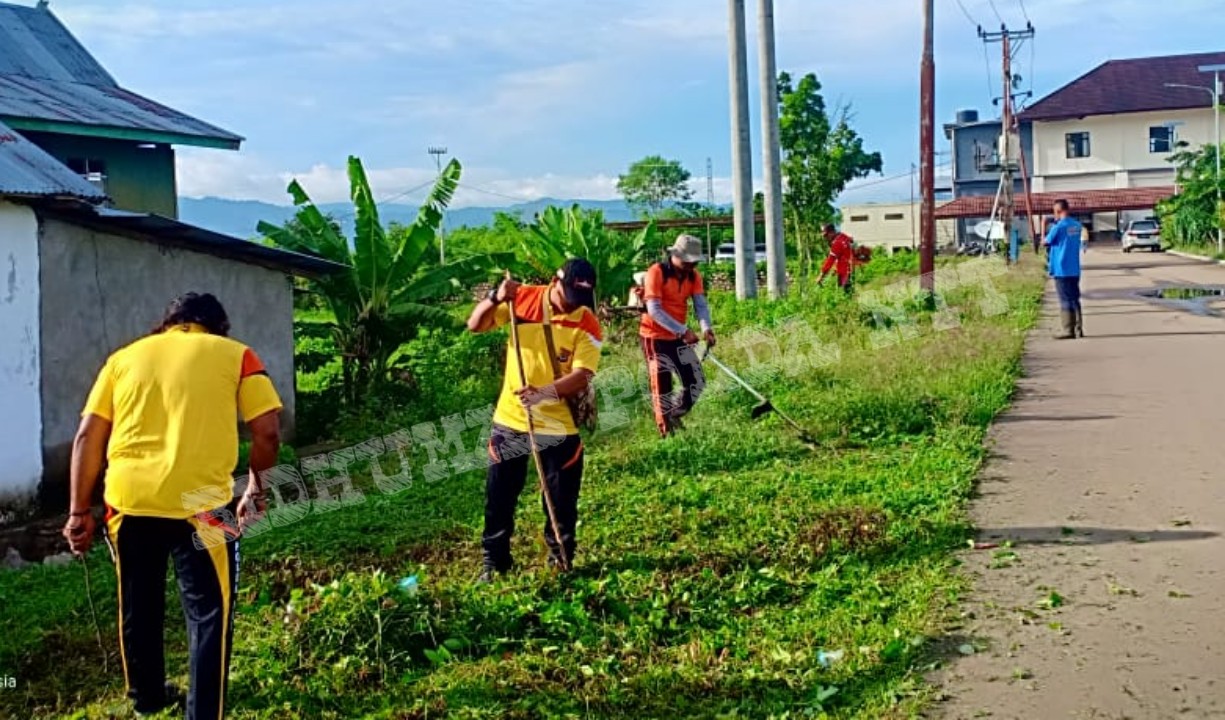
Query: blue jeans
pixel 1069 293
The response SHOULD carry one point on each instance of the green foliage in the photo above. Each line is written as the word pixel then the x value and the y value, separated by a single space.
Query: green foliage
pixel 504 236
pixel 561 234
pixel 821 154
pixel 713 570
pixel 1192 217
pixel 386 295
pixel 285 455
pixel 653 181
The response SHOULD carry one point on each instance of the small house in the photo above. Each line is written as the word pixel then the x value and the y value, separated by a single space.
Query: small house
pixel 90 254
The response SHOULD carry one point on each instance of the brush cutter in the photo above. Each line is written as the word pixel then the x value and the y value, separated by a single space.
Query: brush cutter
pixel 765 406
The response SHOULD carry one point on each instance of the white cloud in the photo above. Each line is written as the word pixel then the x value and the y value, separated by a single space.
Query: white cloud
pixel 244 177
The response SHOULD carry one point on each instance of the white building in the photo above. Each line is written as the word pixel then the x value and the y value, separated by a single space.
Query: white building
pixel 1116 127
pixel 893 226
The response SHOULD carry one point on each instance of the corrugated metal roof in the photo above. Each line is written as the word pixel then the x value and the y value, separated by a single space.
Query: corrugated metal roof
pixel 28 171
pixel 47 75
pixel 1082 202
pixel 34 43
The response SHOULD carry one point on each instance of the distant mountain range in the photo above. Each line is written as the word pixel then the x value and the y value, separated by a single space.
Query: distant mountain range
pixel 239 218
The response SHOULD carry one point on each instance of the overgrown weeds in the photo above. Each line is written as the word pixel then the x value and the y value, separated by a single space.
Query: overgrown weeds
pixel 719 571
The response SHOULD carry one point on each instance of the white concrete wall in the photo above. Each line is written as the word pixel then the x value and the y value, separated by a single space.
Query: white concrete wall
pixel 1118 146
pixel 868 225
pixel 21 459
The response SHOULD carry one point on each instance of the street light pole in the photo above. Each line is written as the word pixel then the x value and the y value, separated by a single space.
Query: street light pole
pixel 438 152
pixel 1216 111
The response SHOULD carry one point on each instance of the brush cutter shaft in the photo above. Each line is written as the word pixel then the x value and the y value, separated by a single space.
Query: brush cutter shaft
pixel 765 403
pixel 728 371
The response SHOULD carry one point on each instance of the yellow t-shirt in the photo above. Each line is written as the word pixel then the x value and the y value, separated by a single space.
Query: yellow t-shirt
pixel 576 335
pixel 173 401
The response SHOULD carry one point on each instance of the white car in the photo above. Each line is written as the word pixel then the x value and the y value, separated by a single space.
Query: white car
pixel 1142 234
pixel 727 253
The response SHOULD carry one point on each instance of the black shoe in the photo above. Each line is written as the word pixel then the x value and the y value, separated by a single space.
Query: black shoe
pixel 172 697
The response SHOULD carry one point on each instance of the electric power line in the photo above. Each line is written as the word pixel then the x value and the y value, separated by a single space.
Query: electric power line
pixel 1032 66
pixel 965 12
pixel 494 193
pixel 987 64
pixel 997 12
pixel 890 178
pixel 1025 13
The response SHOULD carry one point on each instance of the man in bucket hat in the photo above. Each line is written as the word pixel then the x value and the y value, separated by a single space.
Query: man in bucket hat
pixel 667 342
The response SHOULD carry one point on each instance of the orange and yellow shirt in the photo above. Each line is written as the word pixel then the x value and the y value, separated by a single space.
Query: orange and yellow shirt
pixel 174 400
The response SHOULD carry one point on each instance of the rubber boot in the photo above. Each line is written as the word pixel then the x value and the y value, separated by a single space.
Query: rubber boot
pixel 1080 323
pixel 1068 318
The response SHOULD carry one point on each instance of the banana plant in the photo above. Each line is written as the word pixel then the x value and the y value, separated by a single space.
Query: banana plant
pixel 386 294
pixel 559 234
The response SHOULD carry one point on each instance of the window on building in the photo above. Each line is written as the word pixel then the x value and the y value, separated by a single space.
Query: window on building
pixel 91 168
pixel 1160 139
pixel 894 216
pixel 859 218
pixel 1078 144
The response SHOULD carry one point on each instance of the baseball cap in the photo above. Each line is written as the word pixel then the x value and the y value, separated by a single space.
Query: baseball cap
pixel 578 282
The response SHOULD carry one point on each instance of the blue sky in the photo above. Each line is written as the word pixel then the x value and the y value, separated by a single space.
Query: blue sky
pixel 556 97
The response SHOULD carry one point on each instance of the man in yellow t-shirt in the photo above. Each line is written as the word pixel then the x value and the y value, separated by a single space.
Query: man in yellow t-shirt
pixel 564 307
pixel 164 413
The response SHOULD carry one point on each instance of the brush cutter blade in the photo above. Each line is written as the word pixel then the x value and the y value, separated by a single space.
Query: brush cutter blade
pixel 762 409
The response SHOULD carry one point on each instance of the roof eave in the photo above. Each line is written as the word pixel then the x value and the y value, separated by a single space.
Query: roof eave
pixel 167 231
pixel 1055 117
pixel 220 142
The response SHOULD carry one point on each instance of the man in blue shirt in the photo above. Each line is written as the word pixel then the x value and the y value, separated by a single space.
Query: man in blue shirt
pixel 1063 264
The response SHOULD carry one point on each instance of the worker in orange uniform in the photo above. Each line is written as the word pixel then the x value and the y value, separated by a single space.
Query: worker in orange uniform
pixel 667 342
pixel 841 256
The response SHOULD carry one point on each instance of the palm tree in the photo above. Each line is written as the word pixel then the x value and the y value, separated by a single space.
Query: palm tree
pixel 386 294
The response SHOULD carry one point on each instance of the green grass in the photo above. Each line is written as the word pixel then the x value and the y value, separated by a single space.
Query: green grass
pixel 713 569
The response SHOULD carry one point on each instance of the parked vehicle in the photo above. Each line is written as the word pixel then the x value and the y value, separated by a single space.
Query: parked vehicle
pixel 1142 234
pixel 727 253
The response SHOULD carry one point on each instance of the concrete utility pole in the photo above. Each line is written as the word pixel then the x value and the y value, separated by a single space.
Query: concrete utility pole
pixel 776 253
pixel 438 153
pixel 742 161
pixel 710 207
pixel 927 153
pixel 1216 111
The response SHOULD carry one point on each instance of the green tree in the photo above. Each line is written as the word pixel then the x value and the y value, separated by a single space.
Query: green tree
pixel 653 181
pixel 559 235
pixel 1192 217
pixel 820 156
pixel 504 235
pixel 386 293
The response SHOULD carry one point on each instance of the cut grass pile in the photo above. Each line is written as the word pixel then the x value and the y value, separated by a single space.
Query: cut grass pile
pixel 726 572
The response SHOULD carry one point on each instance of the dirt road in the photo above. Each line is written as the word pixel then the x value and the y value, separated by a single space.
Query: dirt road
pixel 1105 598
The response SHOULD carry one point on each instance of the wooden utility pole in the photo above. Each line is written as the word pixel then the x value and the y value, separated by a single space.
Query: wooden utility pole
pixel 1006 181
pixel 927 153
pixel 1010 152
